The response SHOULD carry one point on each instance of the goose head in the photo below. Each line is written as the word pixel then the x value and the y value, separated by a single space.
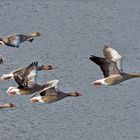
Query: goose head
pixel 48 67
pixel 8 105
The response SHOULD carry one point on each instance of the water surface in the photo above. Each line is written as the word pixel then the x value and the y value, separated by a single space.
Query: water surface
pixel 72 31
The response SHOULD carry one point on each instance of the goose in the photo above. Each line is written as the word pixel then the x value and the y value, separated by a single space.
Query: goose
pixel 50 93
pixel 111 67
pixel 20 72
pixel 7 105
pixel 26 81
pixel 16 40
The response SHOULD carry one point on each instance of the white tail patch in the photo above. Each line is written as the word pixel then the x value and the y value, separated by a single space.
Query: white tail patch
pixel 2 43
pixel 102 81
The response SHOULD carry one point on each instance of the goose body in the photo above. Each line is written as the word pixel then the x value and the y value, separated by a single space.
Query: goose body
pixel 111 67
pixel 7 105
pixel 16 40
pixel 50 93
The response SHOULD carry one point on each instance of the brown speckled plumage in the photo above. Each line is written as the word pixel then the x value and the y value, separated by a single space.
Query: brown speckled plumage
pixel 52 93
pixel 111 67
pixel 16 40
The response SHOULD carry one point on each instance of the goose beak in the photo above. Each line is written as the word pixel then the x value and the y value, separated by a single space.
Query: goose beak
pixel 54 67
pixel 80 94
pixel 40 34
pixel 96 84
pixel 13 105
pixel 11 93
pixel 50 67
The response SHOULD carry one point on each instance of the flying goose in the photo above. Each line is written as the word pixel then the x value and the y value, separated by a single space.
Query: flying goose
pixel 20 72
pixel 50 93
pixel 16 40
pixel 7 105
pixel 111 67
pixel 26 81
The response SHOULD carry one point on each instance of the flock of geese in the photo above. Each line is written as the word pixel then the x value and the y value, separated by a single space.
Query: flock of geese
pixel 26 77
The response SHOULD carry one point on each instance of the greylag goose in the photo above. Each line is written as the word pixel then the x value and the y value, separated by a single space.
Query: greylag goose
pixel 111 67
pixel 16 40
pixel 20 72
pixel 50 93
pixel 7 105
pixel 26 81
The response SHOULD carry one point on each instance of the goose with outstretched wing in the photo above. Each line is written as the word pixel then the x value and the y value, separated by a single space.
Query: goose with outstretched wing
pixel 27 82
pixel 16 40
pixel 50 93
pixel 111 67
pixel 20 71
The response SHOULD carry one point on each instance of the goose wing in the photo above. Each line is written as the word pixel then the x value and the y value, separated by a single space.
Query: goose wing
pixel 23 37
pixel 107 67
pixel 49 91
pixel 112 55
pixel 50 88
pixel 19 71
pixel 29 77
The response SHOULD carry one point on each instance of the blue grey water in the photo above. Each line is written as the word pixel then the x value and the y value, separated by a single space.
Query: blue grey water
pixel 72 31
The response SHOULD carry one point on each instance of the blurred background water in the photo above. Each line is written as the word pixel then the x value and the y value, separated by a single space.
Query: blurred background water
pixel 72 31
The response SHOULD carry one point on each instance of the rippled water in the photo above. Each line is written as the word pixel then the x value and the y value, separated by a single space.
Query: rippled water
pixel 72 31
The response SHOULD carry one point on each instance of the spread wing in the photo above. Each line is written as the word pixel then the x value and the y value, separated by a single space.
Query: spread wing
pixel 107 67
pixel 49 91
pixel 112 55
pixel 29 76
pixel 19 71
pixel 50 88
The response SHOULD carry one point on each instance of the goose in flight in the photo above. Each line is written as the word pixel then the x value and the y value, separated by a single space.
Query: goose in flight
pixel 26 81
pixel 7 105
pixel 50 93
pixel 111 67
pixel 20 72
pixel 16 40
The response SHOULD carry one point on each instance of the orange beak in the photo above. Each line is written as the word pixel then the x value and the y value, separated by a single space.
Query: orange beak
pixel 53 67
pixel 13 105
pixel 80 94
pixel 96 84
pixel 11 93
